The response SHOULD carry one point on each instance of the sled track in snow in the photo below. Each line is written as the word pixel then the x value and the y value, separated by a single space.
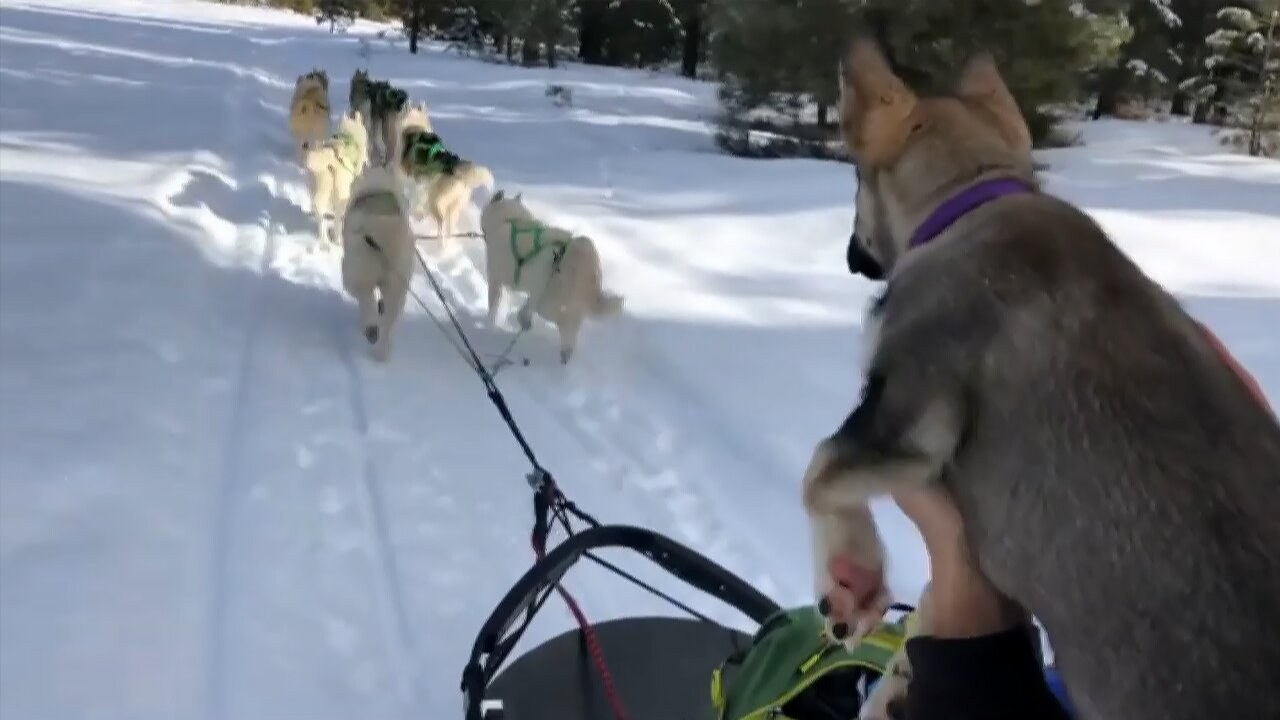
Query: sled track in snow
pixel 230 489
pixel 231 481
pixel 390 592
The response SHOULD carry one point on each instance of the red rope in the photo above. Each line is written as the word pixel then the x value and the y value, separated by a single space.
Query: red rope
pixel 593 643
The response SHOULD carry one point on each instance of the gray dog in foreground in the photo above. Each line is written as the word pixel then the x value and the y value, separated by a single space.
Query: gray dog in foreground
pixel 1116 476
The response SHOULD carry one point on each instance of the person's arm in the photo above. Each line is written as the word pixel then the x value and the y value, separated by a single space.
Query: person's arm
pixel 976 658
pixel 997 676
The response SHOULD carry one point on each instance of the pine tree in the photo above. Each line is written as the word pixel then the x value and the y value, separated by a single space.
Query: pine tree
pixel 338 13
pixel 1241 82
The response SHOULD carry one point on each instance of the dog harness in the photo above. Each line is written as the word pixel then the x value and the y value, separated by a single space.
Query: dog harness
pixel 427 155
pixel 346 150
pixel 560 246
pixel 381 202
pixel 960 204
pixel 383 97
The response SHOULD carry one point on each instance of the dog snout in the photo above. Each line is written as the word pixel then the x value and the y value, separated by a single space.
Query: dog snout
pixel 861 262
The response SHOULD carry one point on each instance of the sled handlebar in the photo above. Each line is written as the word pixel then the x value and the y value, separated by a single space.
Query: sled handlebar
pixel 491 649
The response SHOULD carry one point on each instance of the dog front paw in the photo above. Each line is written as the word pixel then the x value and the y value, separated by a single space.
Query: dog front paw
pixel 849 575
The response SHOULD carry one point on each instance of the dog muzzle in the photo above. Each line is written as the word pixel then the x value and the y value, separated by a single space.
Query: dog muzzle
pixel 861 262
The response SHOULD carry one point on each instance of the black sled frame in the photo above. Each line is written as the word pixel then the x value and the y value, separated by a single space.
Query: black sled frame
pixel 699 644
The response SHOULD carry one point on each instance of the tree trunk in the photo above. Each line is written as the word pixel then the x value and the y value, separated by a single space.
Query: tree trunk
pixel 550 50
pixel 1109 92
pixel 692 39
pixel 529 53
pixel 824 115
pixel 509 47
pixel 415 26
pixel 591 32
pixel 1179 104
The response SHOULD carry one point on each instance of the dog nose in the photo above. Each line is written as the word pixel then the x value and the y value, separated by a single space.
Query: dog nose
pixel 860 261
pixel 896 708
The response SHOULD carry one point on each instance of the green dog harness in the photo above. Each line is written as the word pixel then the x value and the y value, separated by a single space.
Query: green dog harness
pixel 347 150
pixel 536 231
pixel 426 154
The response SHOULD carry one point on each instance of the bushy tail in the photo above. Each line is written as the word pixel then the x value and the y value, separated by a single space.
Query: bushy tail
pixel 474 175
pixel 605 304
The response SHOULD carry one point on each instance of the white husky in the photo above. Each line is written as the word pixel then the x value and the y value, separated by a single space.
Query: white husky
pixel 334 165
pixel 559 271
pixel 377 255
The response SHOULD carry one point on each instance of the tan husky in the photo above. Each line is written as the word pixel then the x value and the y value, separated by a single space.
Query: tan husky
pixel 309 116
pixel 1116 476
pixel 442 181
pixel 560 272
pixel 334 166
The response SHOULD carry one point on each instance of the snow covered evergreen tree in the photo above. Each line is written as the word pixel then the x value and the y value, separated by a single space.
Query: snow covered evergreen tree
pixel 1240 82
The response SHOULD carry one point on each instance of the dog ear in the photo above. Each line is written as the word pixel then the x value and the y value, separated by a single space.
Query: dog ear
pixel 875 104
pixel 980 82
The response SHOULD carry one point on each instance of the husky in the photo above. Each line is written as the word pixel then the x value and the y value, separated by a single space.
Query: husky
pixel 1116 476
pixel 386 103
pixel 334 165
pixel 442 181
pixel 358 94
pixel 377 255
pixel 559 272
pixel 309 116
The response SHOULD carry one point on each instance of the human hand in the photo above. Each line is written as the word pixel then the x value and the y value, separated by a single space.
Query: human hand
pixel 964 602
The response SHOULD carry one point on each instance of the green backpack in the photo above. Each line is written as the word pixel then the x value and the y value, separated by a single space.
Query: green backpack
pixel 791 671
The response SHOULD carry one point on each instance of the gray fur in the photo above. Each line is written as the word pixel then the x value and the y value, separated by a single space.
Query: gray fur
pixel 1115 476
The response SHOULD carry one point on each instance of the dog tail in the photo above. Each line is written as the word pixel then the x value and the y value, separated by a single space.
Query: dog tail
pixel 474 175
pixel 605 303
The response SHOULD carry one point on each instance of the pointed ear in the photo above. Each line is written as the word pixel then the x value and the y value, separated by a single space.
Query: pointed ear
pixel 875 104
pixel 980 83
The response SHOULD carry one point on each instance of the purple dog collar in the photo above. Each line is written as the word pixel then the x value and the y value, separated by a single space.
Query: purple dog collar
pixel 956 206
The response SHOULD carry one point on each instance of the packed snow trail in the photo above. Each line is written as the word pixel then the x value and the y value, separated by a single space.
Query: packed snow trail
pixel 214 505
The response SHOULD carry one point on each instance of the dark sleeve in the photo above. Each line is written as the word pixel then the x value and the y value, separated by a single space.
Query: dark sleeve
pixel 992 677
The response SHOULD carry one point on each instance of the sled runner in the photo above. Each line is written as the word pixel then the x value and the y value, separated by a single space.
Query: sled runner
pixel 667 667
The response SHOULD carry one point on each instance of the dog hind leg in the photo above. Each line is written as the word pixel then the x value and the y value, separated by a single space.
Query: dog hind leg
pixel 569 324
pixel 394 292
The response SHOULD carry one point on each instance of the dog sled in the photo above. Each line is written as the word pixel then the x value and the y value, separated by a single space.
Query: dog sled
pixel 667 668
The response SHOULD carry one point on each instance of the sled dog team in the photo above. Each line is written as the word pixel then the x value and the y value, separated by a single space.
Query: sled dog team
pixel 1116 475
pixel 385 165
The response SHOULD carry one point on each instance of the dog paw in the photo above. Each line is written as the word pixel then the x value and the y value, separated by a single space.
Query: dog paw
pixel 853 600
pixel 371 334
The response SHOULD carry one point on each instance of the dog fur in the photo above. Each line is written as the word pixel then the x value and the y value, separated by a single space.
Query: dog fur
pixel 358 93
pixel 383 119
pixel 564 293
pixel 1115 475
pixel 887 700
pixel 309 116
pixel 377 255
pixel 445 194
pixel 332 174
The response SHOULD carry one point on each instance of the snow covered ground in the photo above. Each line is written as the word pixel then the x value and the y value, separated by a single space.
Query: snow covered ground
pixel 212 504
